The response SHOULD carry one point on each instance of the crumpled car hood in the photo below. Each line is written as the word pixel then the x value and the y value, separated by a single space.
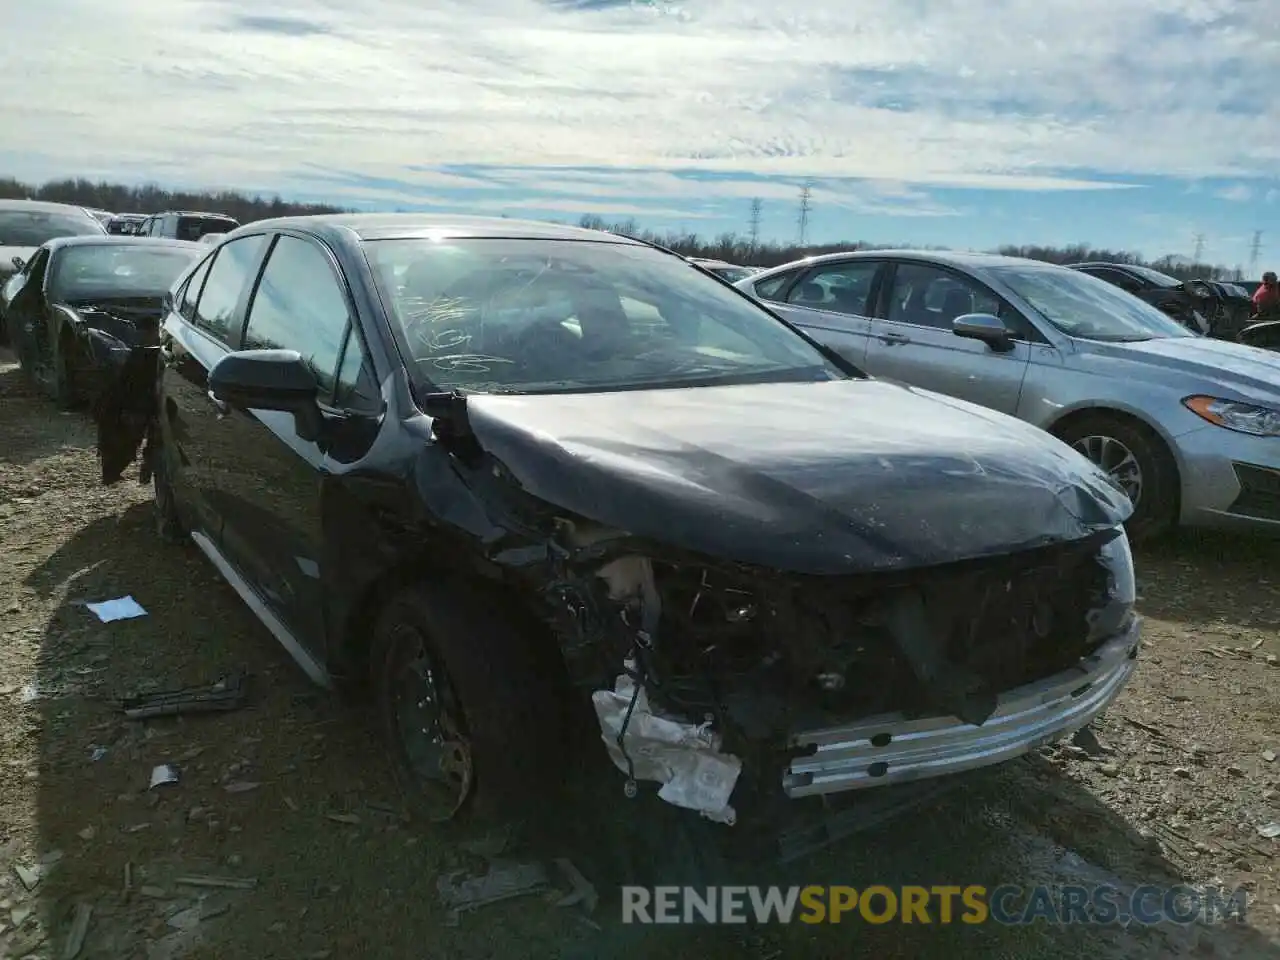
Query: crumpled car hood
pixel 816 478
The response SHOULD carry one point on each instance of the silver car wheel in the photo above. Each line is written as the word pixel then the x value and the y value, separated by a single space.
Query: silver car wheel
pixel 1116 460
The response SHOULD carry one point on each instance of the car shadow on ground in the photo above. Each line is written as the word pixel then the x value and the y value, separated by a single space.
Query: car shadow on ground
pixel 291 793
pixel 1247 566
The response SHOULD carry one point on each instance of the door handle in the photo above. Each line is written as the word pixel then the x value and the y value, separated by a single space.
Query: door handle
pixel 221 406
pixel 895 338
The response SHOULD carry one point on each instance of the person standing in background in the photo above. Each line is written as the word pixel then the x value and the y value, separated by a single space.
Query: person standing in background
pixel 1266 299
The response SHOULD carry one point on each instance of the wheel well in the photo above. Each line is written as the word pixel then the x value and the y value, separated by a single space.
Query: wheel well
pixel 1110 413
pixel 352 665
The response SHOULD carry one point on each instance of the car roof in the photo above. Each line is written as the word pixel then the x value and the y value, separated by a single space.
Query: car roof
pixel 120 240
pixel 42 206
pixel 954 258
pixel 410 226
pixel 1101 263
pixel 194 213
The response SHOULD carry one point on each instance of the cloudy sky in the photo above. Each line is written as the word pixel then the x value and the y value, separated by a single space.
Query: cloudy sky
pixel 1128 123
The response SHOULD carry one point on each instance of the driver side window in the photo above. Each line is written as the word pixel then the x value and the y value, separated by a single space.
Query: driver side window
pixel 299 305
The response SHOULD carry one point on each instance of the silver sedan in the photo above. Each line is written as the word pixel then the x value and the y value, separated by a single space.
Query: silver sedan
pixel 1187 426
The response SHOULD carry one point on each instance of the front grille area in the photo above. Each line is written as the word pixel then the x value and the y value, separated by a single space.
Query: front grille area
pixel 1259 492
pixel 828 647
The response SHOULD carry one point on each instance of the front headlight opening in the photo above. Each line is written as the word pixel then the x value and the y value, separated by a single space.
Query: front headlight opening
pixel 1114 609
pixel 1251 418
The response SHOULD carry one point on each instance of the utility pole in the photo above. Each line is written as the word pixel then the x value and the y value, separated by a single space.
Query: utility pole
pixel 1254 249
pixel 1195 257
pixel 757 205
pixel 806 192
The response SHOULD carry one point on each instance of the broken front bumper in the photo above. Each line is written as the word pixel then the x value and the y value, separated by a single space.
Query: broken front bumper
pixel 891 749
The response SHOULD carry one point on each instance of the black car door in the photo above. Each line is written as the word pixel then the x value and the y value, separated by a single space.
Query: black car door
pixel 204 326
pixel 272 528
pixel 25 311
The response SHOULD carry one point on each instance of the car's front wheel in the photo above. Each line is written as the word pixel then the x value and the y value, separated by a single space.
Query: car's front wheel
pixel 1138 462
pixel 469 703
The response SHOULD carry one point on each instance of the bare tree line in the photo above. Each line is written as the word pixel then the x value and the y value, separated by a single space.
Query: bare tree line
pixel 730 246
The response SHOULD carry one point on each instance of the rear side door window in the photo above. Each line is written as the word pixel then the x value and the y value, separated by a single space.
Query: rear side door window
pixel 301 305
pixel 234 267
pixel 838 287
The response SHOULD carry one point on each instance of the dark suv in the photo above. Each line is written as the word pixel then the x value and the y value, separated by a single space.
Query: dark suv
pixel 186 225
pixel 505 469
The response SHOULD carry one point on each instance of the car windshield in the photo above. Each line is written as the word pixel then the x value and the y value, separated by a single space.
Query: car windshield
pixel 1084 306
pixel 34 228
pixel 117 270
pixel 1155 276
pixel 552 316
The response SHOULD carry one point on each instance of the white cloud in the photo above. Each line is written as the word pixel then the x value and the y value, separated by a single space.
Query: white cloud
pixel 1235 192
pixel 1009 94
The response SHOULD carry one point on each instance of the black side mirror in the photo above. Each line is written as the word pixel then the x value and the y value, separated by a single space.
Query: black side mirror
pixel 986 327
pixel 269 380
pixel 18 263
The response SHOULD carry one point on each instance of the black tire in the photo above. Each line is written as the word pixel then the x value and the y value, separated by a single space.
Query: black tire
pixel 503 688
pixel 169 525
pixel 1157 508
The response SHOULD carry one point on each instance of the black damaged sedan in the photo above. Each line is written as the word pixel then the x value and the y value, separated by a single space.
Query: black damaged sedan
pixel 78 306
pixel 511 476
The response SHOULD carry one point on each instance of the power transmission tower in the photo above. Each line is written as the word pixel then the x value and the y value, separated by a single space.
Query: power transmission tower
pixel 806 193
pixel 1195 257
pixel 757 205
pixel 1254 249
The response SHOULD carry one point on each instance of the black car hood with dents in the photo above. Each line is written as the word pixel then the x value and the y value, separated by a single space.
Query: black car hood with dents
pixel 817 478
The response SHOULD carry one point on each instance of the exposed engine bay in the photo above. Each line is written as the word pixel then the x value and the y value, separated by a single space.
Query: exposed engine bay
pixel 721 664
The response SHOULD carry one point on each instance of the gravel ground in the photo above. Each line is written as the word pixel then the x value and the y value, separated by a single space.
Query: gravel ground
pixel 291 796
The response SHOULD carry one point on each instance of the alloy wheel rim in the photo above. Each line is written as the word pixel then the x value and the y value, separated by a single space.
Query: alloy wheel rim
pixel 432 735
pixel 1116 460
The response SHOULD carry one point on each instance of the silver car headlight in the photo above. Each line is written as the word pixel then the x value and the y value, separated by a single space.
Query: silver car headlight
pixel 1114 610
pixel 1251 418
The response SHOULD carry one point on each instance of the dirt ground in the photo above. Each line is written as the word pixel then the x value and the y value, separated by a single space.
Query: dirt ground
pixel 291 796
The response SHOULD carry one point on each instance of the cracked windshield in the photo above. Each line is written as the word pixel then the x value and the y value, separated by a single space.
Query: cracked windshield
pixel 611 479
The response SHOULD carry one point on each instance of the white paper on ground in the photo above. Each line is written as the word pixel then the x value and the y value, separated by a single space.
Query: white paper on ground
pixel 122 608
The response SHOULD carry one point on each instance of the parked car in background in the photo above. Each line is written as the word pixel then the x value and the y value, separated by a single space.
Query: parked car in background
pixel 186 224
pixel 211 238
pixel 727 271
pixel 25 225
pixel 126 223
pixel 1210 307
pixel 104 217
pixel 485 463
pixel 79 299
pixel 1186 425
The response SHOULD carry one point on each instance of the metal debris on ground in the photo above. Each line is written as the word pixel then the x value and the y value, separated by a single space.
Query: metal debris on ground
pixel 350 818
pixel 501 882
pixel 79 929
pixel 96 753
pixel 582 891
pixel 163 774
pixel 1270 830
pixel 225 883
pixel 121 608
pixel 225 695
pixel 489 846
